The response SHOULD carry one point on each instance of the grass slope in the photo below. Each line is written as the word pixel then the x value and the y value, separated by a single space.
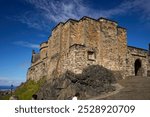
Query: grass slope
pixel 27 89
pixel 6 97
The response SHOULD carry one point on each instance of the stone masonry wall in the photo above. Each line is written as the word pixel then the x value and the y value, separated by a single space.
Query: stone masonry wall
pixel 37 71
pixel 77 44
pixel 122 50
pixel 148 68
pixel 133 55
pixel 109 49
pixel 54 48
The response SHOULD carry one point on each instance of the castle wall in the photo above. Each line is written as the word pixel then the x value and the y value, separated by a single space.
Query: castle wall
pixel 37 71
pixel 75 45
pixel 77 59
pixel 54 48
pixel 65 37
pixel 43 50
pixel 55 41
pixel 122 49
pixel 77 33
pixel 133 55
pixel 103 39
pixel 148 66
pixel 109 48
pixel 78 53
pixel 92 41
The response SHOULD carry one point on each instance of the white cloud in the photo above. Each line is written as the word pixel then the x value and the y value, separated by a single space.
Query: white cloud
pixel 47 11
pixel 59 10
pixel 33 20
pixel 7 82
pixel 26 44
pixel 127 7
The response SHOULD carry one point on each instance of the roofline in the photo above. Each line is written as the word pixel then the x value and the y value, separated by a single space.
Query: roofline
pixel 43 47
pixel 107 19
pixel 75 20
pixel 70 19
pixel 44 42
pixel 63 23
pixel 84 17
pixel 138 48
pixel 57 26
pixel 121 27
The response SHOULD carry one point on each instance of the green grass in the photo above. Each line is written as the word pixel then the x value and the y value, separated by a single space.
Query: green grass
pixel 6 97
pixel 27 89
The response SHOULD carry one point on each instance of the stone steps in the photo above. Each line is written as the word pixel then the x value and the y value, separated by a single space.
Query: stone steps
pixel 135 88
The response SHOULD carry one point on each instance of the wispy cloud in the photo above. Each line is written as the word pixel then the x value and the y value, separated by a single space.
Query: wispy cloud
pixel 59 10
pixel 33 20
pixel 26 44
pixel 7 82
pixel 47 11
pixel 127 7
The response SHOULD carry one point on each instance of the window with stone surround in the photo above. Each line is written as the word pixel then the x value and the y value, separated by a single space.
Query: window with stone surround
pixel 91 55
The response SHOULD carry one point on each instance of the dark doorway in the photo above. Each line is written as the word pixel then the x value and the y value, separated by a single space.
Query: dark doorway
pixel 138 67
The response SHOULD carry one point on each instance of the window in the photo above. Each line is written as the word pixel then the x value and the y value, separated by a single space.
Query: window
pixel 91 55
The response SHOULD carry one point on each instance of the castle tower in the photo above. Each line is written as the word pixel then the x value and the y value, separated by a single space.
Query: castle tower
pixel 76 44
pixel 43 50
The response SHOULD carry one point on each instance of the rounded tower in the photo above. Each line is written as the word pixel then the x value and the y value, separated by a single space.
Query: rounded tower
pixel 43 50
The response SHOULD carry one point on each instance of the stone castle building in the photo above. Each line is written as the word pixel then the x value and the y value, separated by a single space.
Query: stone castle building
pixel 77 44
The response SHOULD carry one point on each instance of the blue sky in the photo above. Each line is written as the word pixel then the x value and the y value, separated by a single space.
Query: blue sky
pixel 24 24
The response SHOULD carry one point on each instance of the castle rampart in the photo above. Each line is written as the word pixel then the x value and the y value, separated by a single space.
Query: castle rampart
pixel 77 44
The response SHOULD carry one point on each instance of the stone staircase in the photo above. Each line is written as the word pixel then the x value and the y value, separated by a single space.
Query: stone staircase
pixel 135 88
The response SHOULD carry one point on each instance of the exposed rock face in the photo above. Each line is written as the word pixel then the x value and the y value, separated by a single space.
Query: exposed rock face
pixel 93 81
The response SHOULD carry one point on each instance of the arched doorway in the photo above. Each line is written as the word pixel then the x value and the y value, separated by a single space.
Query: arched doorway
pixel 138 67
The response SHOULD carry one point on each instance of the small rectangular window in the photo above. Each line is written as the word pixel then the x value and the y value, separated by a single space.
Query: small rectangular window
pixel 91 55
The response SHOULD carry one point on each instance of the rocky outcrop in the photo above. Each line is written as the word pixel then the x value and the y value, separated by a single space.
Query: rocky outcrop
pixel 4 93
pixel 93 81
